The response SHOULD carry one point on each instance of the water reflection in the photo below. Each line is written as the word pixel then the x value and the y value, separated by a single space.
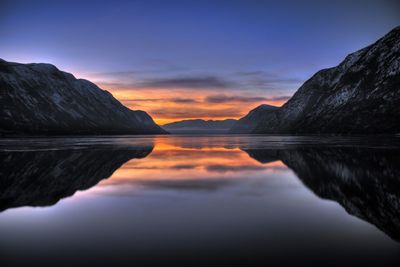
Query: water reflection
pixel 365 181
pixel 41 172
pixel 187 193
pixel 175 164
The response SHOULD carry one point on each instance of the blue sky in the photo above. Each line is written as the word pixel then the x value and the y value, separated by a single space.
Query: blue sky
pixel 257 49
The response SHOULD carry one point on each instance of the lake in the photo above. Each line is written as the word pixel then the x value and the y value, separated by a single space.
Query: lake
pixel 200 200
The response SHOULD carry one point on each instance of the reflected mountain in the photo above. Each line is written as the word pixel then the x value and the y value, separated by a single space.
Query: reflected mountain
pixel 43 177
pixel 365 181
pixel 363 178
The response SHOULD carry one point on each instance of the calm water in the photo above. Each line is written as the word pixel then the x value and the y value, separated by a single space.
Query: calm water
pixel 207 201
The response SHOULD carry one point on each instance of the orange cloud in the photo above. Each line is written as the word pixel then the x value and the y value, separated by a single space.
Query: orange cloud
pixel 171 162
pixel 174 104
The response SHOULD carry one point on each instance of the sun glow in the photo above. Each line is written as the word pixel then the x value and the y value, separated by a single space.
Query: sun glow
pixel 171 105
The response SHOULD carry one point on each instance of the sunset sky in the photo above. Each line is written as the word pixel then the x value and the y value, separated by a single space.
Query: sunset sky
pixel 192 59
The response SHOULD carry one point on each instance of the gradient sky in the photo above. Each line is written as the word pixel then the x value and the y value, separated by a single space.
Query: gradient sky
pixel 193 59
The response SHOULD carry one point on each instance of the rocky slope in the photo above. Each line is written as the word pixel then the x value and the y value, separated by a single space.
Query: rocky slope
pixel 249 122
pixel 200 126
pixel 40 99
pixel 359 96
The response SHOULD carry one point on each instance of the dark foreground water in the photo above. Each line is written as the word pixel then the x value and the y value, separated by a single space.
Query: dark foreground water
pixel 200 201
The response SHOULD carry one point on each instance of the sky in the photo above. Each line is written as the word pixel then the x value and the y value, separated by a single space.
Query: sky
pixel 193 59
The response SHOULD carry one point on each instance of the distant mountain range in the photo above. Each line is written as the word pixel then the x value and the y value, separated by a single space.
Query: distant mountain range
pixel 200 126
pixel 359 96
pixel 40 99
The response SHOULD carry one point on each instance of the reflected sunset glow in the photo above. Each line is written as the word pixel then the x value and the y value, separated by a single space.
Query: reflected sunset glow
pixel 175 161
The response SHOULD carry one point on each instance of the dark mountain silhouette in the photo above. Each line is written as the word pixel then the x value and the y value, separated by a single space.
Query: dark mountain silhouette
pixel 249 122
pixel 40 99
pixel 359 96
pixel 42 177
pixel 200 126
pixel 365 181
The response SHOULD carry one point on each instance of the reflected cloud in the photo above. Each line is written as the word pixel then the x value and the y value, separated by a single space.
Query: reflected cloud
pixel 224 168
pixel 192 167
pixel 183 166
pixel 198 184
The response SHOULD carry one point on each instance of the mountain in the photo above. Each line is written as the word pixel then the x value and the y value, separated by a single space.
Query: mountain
pixel 249 122
pixel 40 99
pixel 359 96
pixel 44 176
pixel 200 126
pixel 363 180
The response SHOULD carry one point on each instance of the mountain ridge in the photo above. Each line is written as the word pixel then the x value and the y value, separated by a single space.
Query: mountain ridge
pixel 248 123
pixel 38 98
pixel 359 96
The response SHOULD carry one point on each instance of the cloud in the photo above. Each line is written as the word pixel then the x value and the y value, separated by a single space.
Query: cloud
pixel 249 73
pixel 267 81
pixel 193 82
pixel 183 100
pixel 141 99
pixel 249 81
pixel 211 99
pixel 266 77
pixel 215 99
pixel 225 99
pixel 173 100
pixel 153 67
pixel 114 74
pixel 278 98
pixel 188 82
pixel 275 83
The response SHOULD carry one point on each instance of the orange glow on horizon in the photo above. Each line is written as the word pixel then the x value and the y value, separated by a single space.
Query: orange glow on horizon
pixel 166 106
